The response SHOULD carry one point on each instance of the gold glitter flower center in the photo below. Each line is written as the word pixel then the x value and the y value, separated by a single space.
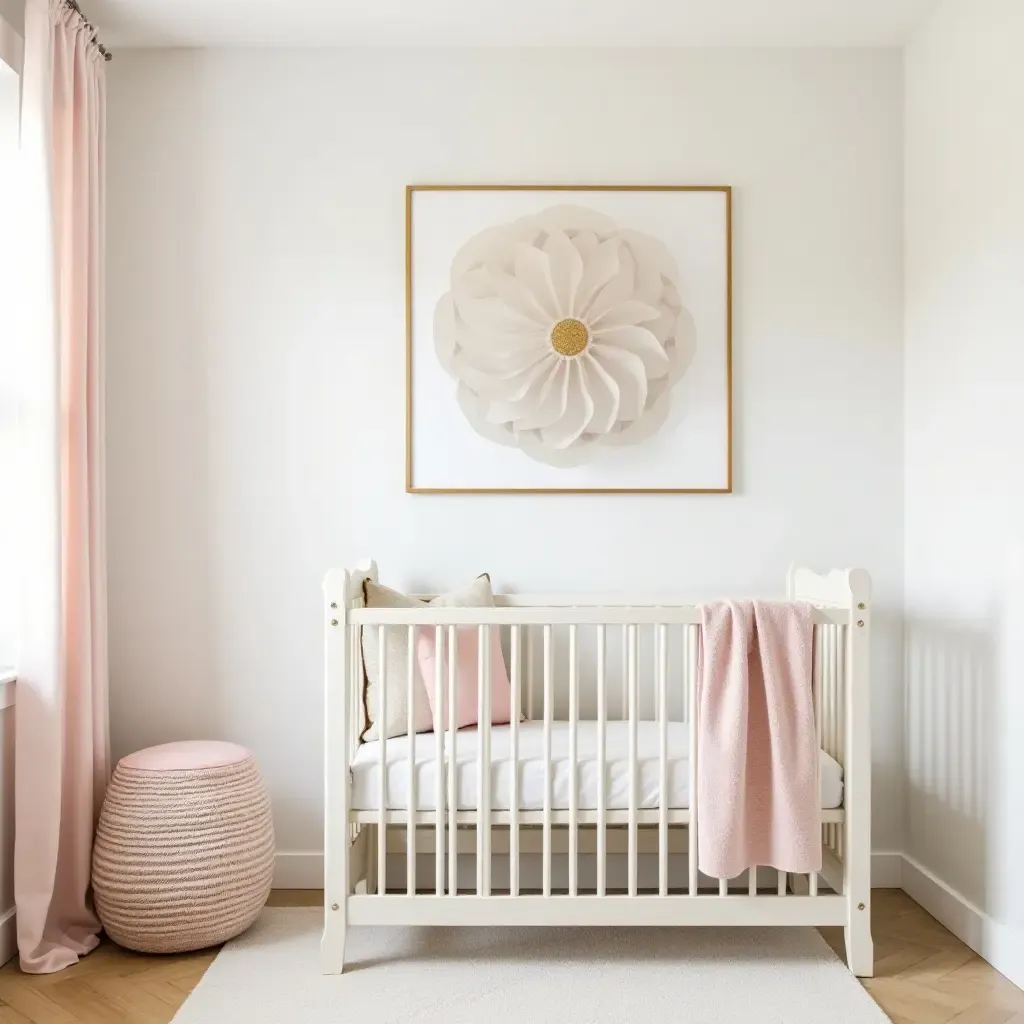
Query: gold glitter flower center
pixel 569 337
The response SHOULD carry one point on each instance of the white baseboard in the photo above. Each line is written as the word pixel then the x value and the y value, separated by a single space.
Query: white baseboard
pixel 305 870
pixel 1000 945
pixel 8 935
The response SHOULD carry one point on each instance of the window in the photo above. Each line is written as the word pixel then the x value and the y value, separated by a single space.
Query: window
pixel 10 60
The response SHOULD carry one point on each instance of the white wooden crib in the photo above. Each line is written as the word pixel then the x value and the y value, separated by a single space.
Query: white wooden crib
pixel 603 791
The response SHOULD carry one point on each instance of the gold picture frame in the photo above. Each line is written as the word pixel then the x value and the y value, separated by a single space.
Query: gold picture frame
pixel 410 485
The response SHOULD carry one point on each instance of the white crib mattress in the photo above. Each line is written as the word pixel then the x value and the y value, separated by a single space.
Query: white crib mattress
pixel 366 768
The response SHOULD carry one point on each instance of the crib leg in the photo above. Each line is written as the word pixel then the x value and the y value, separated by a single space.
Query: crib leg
pixel 337 888
pixel 860 950
pixel 332 945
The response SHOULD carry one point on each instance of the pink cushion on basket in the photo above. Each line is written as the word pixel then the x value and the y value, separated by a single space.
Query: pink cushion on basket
pixel 186 756
pixel 466 677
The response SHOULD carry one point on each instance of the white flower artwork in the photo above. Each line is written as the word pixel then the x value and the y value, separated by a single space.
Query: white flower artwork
pixel 564 332
pixel 568 339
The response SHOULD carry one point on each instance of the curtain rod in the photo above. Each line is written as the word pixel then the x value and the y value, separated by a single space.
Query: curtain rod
pixel 73 4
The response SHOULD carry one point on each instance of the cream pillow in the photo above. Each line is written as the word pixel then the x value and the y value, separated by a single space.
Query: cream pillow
pixel 476 594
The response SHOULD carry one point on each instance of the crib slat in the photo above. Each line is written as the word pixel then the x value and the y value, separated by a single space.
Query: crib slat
pixel 602 720
pixel 453 760
pixel 834 686
pixel 833 672
pixel 625 673
pixel 752 881
pixel 356 673
pixel 723 887
pixel 573 740
pixel 825 696
pixel 483 831
pixel 655 695
pixel 531 683
pixel 818 700
pixel 548 710
pixel 817 674
pixel 782 883
pixel 382 732
pixel 513 800
pixel 842 638
pixel 358 720
pixel 439 766
pixel 685 675
pixel 840 696
pixel 663 760
pixel 830 632
pixel 824 685
pixel 817 669
pixel 480 784
pixel 355 711
pixel 631 675
pixel 834 701
pixel 837 720
pixel 817 687
pixel 831 720
pixel 410 826
pixel 834 705
pixel 690 660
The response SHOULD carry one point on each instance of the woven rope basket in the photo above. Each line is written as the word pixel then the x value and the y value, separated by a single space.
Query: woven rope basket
pixel 182 859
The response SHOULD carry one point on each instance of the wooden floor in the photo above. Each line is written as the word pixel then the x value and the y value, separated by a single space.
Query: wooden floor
pixel 923 975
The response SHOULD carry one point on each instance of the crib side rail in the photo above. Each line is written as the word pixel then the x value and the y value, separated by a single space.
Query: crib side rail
pixel 541 615
pixel 557 679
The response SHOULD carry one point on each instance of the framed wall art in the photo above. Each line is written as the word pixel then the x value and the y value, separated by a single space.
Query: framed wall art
pixel 568 339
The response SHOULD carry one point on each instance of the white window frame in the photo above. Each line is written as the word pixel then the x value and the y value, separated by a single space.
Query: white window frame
pixel 11 46
pixel 11 54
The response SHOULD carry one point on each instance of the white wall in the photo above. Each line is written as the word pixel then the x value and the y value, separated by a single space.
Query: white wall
pixel 964 394
pixel 256 356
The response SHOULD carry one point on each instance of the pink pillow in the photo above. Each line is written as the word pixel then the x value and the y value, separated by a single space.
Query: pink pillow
pixel 467 679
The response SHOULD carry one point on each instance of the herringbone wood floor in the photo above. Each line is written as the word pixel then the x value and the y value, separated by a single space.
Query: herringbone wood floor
pixel 923 975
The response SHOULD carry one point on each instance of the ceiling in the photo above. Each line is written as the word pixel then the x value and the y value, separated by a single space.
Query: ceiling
pixel 507 22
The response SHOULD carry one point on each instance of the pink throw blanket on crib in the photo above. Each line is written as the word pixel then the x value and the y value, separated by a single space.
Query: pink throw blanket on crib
pixel 757 762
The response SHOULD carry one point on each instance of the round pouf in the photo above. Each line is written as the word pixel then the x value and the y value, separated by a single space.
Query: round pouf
pixel 184 848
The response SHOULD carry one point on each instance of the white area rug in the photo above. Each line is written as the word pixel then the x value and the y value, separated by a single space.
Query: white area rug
pixel 529 976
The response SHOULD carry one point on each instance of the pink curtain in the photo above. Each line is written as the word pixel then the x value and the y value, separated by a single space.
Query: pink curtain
pixel 62 748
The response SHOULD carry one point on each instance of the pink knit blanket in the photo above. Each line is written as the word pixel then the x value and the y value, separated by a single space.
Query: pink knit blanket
pixel 757 756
